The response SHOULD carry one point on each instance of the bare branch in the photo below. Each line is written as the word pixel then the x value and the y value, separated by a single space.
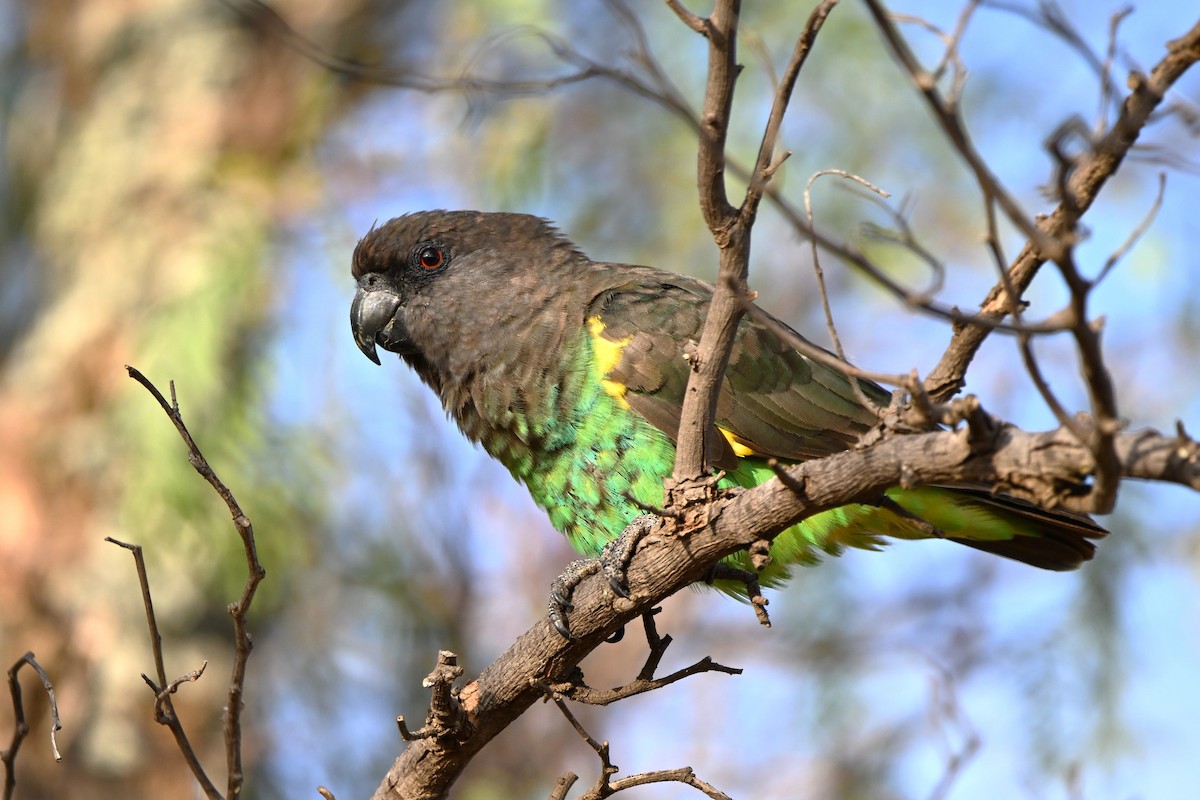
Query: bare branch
pixel 947 115
pixel 818 271
pixel 8 756
pixel 1089 176
pixel 576 689
pixel 446 721
pixel 1136 233
pixel 563 786
pixel 684 775
pixel 239 610
pixel 1050 16
pixel 725 572
pixel 733 242
pixel 164 708
pixel 819 354
pixel 696 23
pixel 606 788
pixel 730 227
pixel 765 164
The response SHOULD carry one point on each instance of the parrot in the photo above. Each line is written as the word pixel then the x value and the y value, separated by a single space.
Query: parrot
pixel 572 372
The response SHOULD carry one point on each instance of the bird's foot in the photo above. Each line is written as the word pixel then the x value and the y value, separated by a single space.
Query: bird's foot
pixel 613 562
pixel 559 606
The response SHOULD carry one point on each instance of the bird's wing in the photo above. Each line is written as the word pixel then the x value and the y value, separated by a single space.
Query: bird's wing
pixel 774 401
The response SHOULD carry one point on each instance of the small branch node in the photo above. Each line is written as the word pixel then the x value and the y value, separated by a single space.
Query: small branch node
pixel 564 785
pixel 447 720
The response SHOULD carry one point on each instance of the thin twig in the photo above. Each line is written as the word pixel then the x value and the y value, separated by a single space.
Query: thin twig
pixel 606 788
pixel 576 689
pixel 1090 175
pixel 164 708
pixel 684 775
pixel 1050 16
pixel 765 164
pixel 582 693
pixel 818 271
pixel 1136 233
pixel 818 353
pixel 8 756
pixel 238 610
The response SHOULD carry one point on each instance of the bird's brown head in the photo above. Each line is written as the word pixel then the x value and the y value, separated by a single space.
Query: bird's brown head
pixel 420 273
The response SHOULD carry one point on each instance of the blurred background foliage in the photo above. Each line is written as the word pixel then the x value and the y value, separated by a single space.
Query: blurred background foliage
pixel 181 192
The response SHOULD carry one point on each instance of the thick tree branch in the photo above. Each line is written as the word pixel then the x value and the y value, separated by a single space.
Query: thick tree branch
pixel 1039 466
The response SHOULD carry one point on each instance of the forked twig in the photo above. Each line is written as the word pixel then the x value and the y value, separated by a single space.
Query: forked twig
pixel 605 787
pixel 164 708
pixel 238 610
pixel 575 689
pixel 8 756
pixel 730 227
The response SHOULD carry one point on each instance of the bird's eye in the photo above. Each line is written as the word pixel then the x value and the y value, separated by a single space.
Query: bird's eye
pixel 431 257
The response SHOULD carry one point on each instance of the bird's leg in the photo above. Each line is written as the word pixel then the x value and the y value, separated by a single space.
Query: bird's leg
pixel 613 562
pixel 616 555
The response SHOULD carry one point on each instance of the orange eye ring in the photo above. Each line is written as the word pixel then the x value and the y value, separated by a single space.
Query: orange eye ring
pixel 431 257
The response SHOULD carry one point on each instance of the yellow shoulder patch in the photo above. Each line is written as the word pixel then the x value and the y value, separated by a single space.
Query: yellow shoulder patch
pixel 740 448
pixel 607 353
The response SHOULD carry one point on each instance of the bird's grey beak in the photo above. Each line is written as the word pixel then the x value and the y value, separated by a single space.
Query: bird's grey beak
pixel 374 319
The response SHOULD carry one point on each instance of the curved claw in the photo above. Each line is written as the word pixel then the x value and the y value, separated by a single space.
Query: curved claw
pixel 560 625
pixel 618 584
pixel 559 605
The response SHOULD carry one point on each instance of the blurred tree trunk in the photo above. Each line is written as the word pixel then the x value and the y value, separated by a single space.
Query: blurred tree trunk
pixel 151 148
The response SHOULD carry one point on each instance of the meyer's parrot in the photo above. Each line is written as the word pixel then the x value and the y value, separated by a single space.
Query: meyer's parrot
pixel 571 373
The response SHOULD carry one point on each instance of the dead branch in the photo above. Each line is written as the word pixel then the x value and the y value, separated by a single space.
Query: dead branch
pixel 1089 176
pixel 446 721
pixel 164 707
pixel 8 756
pixel 238 610
pixel 576 689
pixel 606 788
pixel 730 227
